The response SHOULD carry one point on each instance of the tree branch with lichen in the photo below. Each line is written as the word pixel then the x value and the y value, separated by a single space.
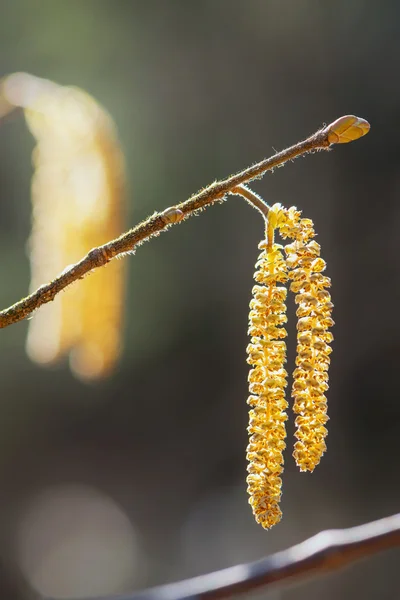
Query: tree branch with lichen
pixel 343 130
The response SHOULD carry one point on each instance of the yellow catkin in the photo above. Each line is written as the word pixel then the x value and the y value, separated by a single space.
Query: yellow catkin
pixel 77 198
pixel 310 378
pixel 267 379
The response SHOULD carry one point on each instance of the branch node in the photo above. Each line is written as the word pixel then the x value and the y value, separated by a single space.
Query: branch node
pixel 98 257
pixel 172 215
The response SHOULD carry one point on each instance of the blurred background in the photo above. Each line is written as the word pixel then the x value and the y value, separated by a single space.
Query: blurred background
pixel 140 479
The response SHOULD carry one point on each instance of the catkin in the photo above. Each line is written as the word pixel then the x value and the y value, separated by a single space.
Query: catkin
pixel 77 204
pixel 267 379
pixel 310 378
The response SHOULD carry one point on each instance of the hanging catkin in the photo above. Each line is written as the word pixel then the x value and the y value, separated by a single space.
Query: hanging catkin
pixel 310 378
pixel 77 199
pixel 267 356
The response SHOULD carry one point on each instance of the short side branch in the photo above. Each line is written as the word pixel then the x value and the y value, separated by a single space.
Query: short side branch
pixel 127 242
pixel 324 552
pixel 252 198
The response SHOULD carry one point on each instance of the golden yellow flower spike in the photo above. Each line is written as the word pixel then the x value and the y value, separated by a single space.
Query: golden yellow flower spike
pixel 310 378
pixel 77 198
pixel 267 378
pixel 347 129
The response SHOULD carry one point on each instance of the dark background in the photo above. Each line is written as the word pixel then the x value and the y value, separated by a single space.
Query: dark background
pixel 140 480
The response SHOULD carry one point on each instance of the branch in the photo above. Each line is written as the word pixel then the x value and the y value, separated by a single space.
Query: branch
pixel 342 130
pixel 324 552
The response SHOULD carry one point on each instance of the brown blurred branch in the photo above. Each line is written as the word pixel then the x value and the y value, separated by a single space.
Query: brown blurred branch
pixel 326 551
pixel 336 132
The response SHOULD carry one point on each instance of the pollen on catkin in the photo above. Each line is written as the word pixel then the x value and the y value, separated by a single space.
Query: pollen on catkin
pixel 310 378
pixel 267 382
pixel 77 204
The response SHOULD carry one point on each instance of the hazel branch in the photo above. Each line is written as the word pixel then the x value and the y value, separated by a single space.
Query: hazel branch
pixel 342 130
pixel 324 552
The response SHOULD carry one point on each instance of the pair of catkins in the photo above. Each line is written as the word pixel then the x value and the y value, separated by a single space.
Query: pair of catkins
pixel 299 266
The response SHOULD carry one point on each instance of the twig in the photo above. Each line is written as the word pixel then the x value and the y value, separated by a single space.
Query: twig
pixel 252 198
pixel 326 551
pixel 337 132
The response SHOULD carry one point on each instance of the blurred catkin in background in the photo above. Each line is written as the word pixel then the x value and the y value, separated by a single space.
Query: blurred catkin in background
pixel 77 204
